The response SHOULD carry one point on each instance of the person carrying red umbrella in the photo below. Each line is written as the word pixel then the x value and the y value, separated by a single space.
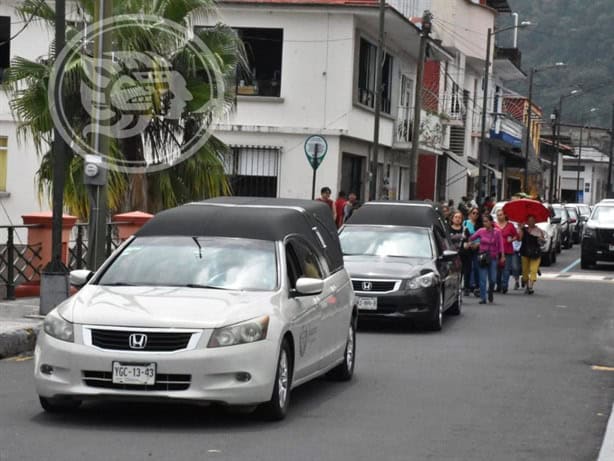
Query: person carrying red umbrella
pixel 531 236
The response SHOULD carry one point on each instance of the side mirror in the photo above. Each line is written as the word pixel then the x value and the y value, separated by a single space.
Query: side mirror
pixel 448 255
pixel 555 220
pixel 80 277
pixel 307 286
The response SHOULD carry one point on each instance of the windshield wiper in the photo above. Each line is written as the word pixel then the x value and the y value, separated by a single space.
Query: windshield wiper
pixel 197 285
pixel 118 284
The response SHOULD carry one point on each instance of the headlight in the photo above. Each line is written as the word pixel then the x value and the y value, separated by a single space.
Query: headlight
pixel 56 326
pixel 240 333
pixel 589 232
pixel 424 281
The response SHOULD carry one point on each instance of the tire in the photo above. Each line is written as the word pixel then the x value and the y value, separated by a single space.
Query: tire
pixel 345 370
pixel 458 305
pixel 553 256
pixel 51 405
pixel 277 408
pixel 546 259
pixel 435 322
pixel 558 247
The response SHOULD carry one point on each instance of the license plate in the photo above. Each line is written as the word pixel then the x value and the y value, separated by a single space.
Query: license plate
pixel 367 304
pixel 127 373
pixel 611 247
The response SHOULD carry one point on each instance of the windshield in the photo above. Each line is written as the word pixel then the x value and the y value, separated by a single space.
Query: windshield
pixel 386 241
pixel 560 212
pixel 572 212
pixel 212 262
pixel 604 215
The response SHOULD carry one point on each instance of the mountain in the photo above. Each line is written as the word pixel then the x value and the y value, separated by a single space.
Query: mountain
pixel 578 33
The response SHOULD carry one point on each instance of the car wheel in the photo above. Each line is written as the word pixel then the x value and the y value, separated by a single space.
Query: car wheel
pixel 553 256
pixel 435 323
pixel 546 259
pixel 277 408
pixel 345 370
pixel 558 246
pixel 52 405
pixel 458 304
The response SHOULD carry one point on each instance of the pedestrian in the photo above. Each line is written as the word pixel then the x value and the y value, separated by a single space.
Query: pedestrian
pixel 457 232
pixel 490 254
pixel 445 212
pixel 532 238
pixel 351 205
pixel 325 194
pixel 463 206
pixel 470 266
pixel 509 235
pixel 339 207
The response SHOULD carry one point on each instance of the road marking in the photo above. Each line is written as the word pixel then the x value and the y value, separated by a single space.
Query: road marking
pixel 571 266
pixel 577 277
pixel 602 368
pixel 607 448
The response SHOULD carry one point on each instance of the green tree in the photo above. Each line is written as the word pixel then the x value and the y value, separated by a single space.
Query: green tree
pixel 198 177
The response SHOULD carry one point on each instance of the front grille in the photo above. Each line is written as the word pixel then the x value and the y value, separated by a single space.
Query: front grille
pixel 118 340
pixel 376 285
pixel 164 382
pixel 605 235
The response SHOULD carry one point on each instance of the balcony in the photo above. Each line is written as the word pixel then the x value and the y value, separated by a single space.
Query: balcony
pixel 507 63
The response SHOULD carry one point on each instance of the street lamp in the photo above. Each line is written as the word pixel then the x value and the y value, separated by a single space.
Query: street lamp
pixel 490 33
pixel 593 109
pixel 534 70
pixel 558 113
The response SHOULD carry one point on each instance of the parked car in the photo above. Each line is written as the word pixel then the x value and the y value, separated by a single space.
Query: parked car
pixel 584 212
pixel 400 260
pixel 575 223
pixel 598 237
pixel 233 300
pixel 561 212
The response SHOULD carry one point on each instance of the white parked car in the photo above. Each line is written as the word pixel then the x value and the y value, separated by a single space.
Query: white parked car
pixel 232 300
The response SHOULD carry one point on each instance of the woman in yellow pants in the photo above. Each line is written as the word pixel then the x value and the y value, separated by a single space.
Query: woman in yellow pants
pixel 532 238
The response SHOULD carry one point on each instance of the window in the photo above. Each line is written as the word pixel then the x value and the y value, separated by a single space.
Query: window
pixel 264 54
pixel 5 44
pixel 302 262
pixel 253 171
pixel 367 63
pixel 4 141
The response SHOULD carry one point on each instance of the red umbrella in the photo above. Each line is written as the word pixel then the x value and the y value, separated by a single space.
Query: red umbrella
pixel 520 210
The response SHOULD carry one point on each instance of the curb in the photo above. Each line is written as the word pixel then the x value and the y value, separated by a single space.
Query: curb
pixel 17 341
pixel 607 449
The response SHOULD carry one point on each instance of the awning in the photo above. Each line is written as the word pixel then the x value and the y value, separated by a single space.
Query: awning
pixel 463 162
pixel 496 172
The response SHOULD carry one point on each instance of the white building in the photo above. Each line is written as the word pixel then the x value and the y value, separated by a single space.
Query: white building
pixel 312 72
pixel 18 158
pixel 586 173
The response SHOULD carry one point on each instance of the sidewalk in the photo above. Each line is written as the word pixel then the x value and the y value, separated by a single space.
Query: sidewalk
pixel 18 326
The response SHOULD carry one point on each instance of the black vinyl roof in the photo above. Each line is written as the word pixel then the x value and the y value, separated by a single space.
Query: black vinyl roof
pixel 396 213
pixel 253 218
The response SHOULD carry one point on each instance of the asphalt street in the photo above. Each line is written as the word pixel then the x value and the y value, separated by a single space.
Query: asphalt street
pixel 526 378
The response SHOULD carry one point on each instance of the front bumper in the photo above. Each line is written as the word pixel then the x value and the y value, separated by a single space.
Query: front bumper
pixel 213 372
pixel 594 250
pixel 403 303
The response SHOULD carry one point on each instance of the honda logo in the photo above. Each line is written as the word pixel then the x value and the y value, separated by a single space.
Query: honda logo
pixel 137 341
pixel 366 286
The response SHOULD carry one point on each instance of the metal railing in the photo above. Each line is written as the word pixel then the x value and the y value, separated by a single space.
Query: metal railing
pixel 78 245
pixel 18 263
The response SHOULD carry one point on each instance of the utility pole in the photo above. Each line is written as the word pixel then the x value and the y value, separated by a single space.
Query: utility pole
pixel 54 279
pixel 415 138
pixel 579 165
pixel 482 148
pixel 609 193
pixel 528 139
pixel 97 229
pixel 555 154
pixel 557 134
pixel 379 67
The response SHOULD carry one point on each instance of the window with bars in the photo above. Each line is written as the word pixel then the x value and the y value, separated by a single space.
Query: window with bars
pixel 253 171
pixel 4 152
pixel 366 76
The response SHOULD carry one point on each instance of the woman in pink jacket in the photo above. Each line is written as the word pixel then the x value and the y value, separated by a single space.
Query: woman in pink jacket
pixel 490 253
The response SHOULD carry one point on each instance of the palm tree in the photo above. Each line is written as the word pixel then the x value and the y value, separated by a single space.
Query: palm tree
pixel 201 175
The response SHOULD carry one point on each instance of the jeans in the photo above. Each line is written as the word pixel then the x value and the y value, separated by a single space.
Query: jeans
pixel 512 267
pixel 475 270
pixel 488 275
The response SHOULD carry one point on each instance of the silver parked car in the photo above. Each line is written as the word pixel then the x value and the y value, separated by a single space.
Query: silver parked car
pixel 233 300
